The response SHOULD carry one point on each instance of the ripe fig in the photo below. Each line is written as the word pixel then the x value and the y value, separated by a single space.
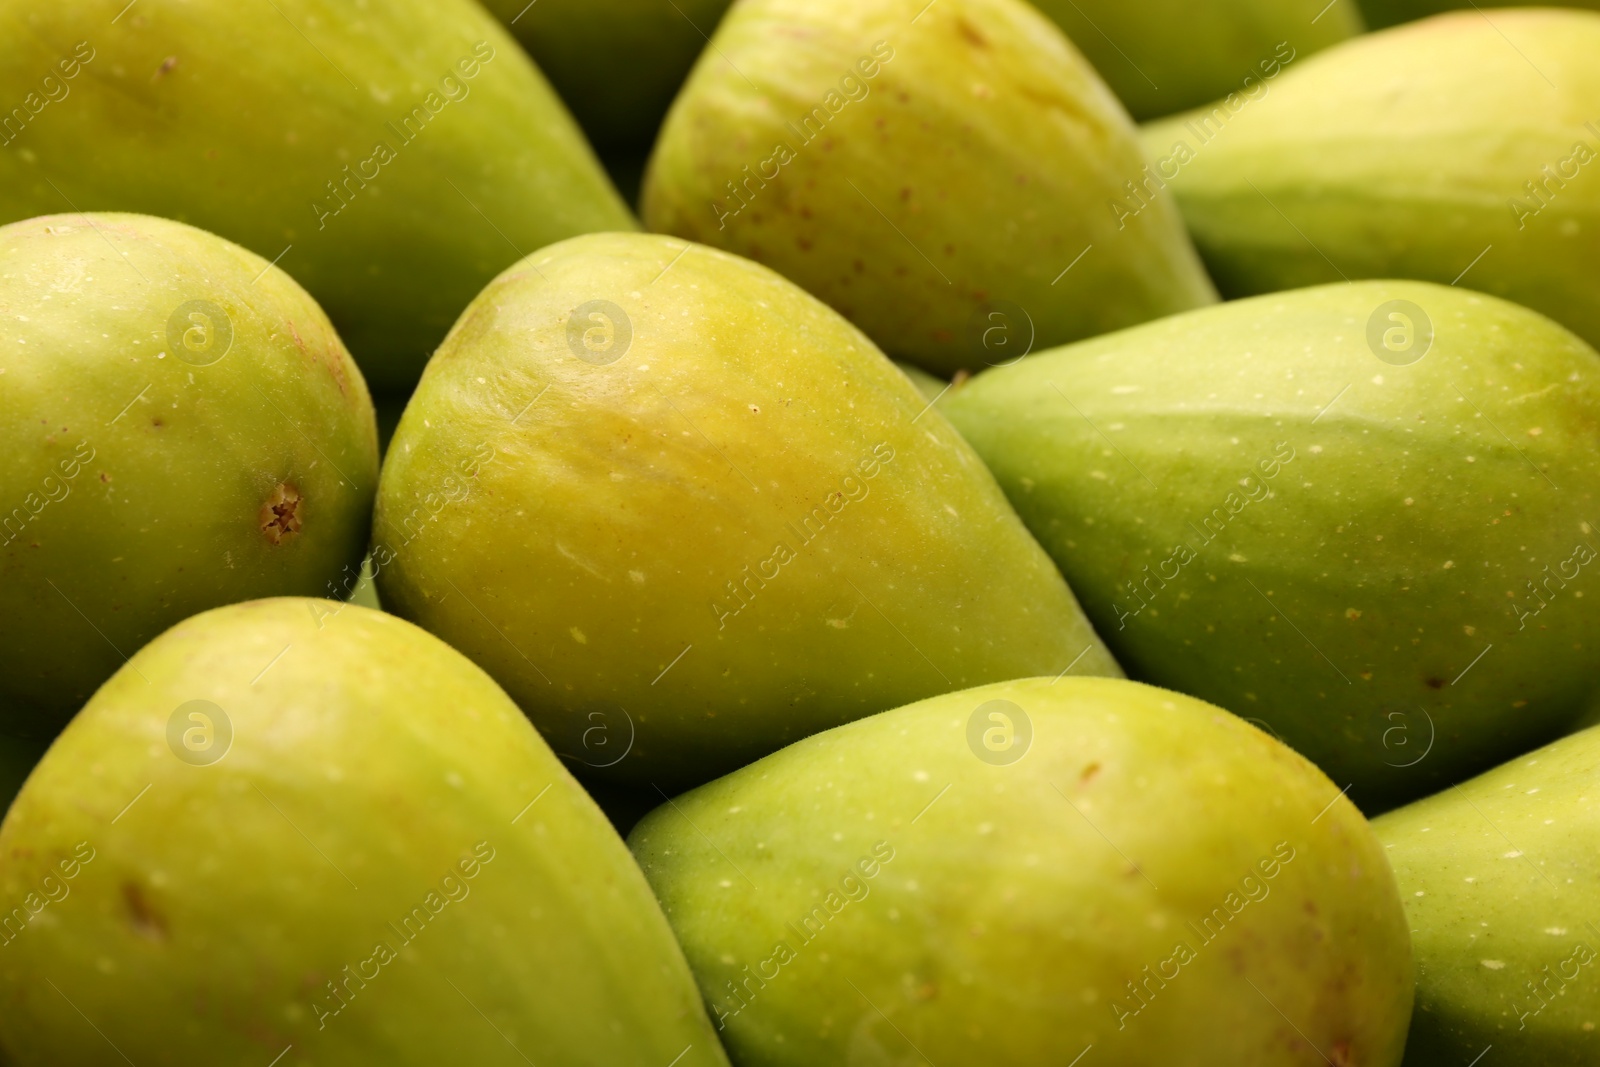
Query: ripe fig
pixel 392 157
pixel 183 429
pixel 685 514
pixel 1360 513
pixel 939 173
pixel 1464 149
pixel 1036 872
pixel 295 824
pixel 1499 877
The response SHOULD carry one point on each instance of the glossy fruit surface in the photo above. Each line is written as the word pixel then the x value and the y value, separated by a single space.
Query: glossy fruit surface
pixel 1499 877
pixel 685 514
pixel 1464 149
pixel 391 157
pixel 1029 872
pixel 183 429
pixel 1360 514
pixel 299 829
pixel 941 174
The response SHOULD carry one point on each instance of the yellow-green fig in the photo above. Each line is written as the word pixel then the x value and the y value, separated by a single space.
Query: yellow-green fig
pixel 1501 885
pixel 298 831
pixel 1460 150
pixel 182 429
pixel 616 63
pixel 392 157
pixel 1360 513
pixel 938 173
pixel 1037 872
pixel 1163 56
pixel 685 513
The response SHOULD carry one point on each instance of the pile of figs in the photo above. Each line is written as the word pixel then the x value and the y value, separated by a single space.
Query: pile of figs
pixel 794 533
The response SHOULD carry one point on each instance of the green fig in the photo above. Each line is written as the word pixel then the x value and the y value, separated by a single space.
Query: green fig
pixel 391 157
pixel 686 514
pixel 938 173
pixel 183 429
pixel 1382 13
pixel 1501 886
pixel 1164 56
pixel 1358 513
pixel 298 825
pixel 1463 149
pixel 616 63
pixel 1036 872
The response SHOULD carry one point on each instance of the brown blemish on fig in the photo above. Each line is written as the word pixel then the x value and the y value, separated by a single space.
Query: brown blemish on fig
pixel 1088 773
pixel 280 516
pixel 146 921
pixel 166 68
pixel 1435 683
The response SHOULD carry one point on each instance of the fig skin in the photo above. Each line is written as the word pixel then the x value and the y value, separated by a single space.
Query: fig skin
pixel 724 524
pixel 392 157
pixel 185 430
pixel 1386 559
pixel 922 169
pixel 1462 149
pixel 1002 877
pixel 209 857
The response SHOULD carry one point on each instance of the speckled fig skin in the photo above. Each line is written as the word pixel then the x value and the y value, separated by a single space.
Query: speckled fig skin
pixel 879 892
pixel 183 429
pixel 1499 877
pixel 1418 152
pixel 731 523
pixel 395 155
pixel 1258 511
pixel 1163 56
pixel 954 165
pixel 353 783
pixel 616 63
